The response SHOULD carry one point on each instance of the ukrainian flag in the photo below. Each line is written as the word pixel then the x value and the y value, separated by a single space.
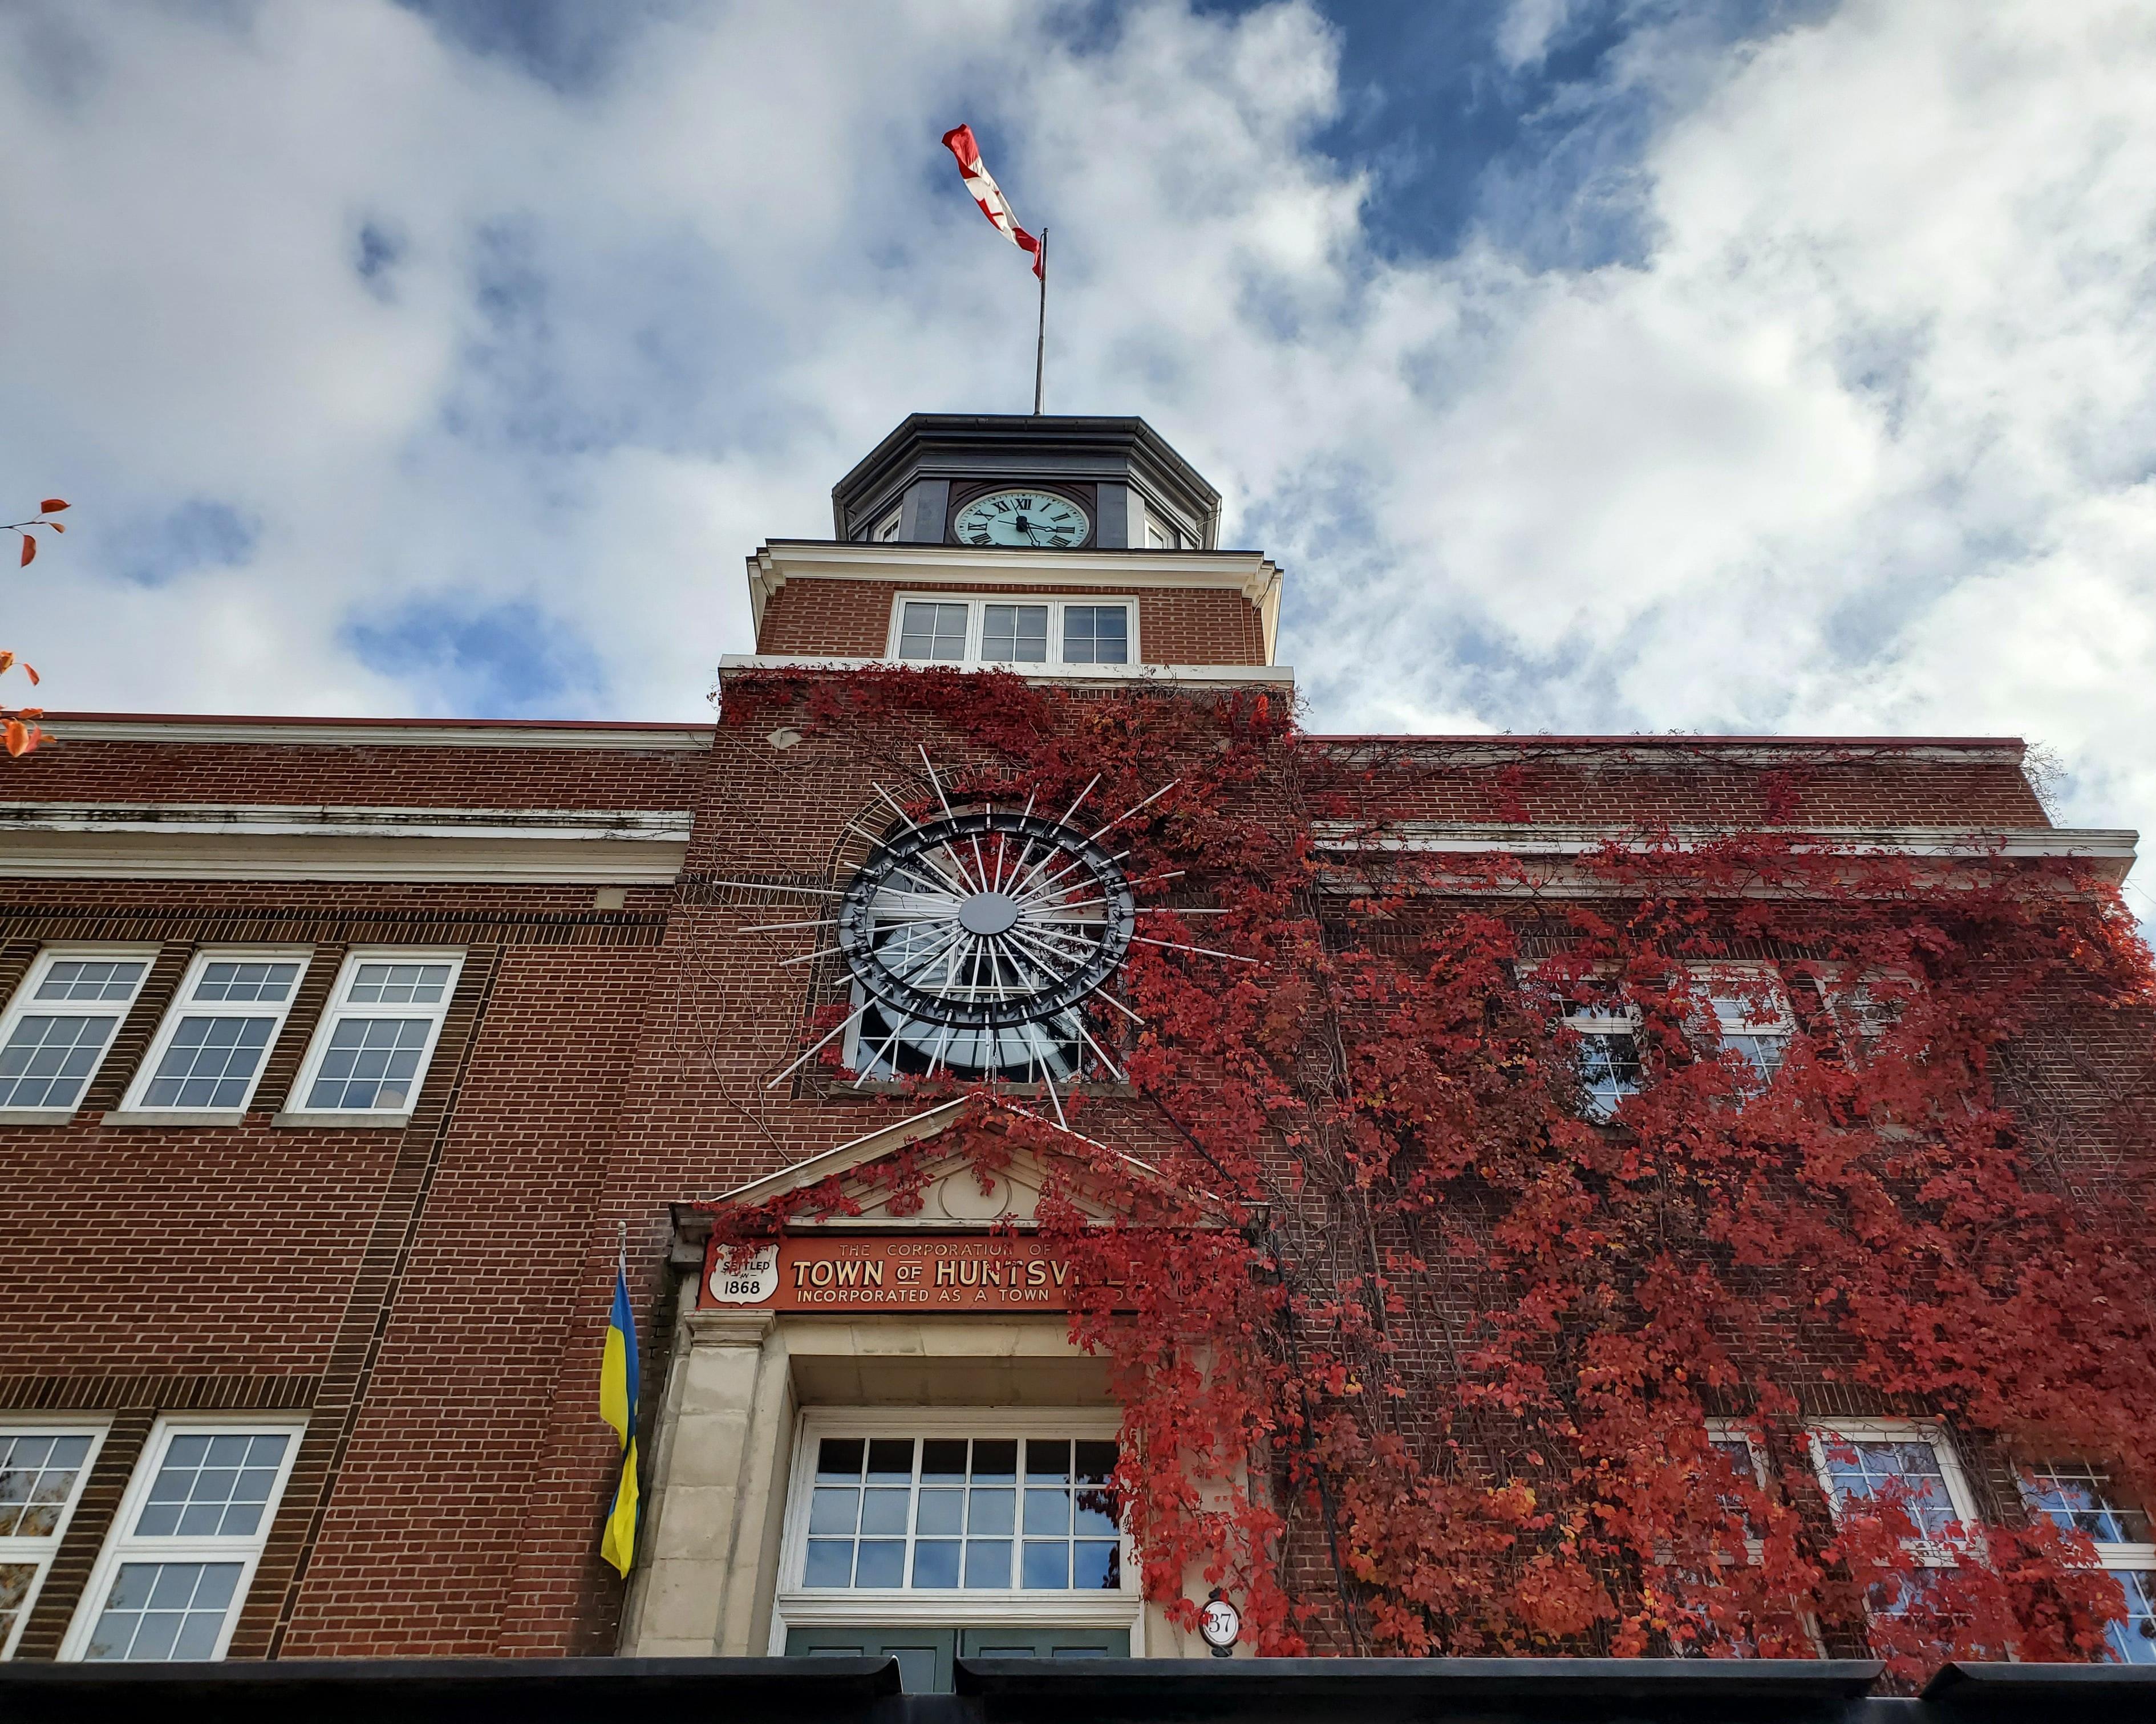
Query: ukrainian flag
pixel 618 1407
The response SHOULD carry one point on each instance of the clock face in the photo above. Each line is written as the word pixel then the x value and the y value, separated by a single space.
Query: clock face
pixel 1022 517
pixel 977 938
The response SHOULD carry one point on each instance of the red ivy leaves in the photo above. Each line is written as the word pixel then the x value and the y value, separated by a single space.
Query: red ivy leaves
pixel 1393 1308
pixel 18 729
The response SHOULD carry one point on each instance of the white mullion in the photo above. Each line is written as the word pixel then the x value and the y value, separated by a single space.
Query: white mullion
pixel 860 1508
pixel 122 1545
pixel 27 1005
pixel 341 1006
pixel 38 1551
pixel 185 1006
pixel 912 1514
pixel 796 1606
pixel 977 625
pixel 1821 1432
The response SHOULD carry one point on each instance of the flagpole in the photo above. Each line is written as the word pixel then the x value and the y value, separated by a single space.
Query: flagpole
pixel 1040 340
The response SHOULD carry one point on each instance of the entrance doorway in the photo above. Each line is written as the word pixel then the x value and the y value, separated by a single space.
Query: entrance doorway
pixel 925 1654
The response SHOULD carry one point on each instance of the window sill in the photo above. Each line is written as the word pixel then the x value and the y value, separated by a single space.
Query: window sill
pixel 37 1116
pixel 176 1116
pixel 342 1121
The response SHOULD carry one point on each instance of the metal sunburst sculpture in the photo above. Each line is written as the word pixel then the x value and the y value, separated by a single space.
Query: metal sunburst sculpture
pixel 974 940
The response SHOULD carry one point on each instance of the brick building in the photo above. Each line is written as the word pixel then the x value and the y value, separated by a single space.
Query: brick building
pixel 340 1057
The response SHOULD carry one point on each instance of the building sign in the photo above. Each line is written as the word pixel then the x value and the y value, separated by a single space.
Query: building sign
pixel 890 1272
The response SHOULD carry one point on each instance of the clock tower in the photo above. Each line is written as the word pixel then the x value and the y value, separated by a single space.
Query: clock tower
pixel 1058 547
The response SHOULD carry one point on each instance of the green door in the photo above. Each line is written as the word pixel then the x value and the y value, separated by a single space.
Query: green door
pixel 923 1655
pixel 1044 1643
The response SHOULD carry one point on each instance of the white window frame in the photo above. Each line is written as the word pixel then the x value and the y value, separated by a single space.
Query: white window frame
pixel 975 615
pixel 26 1003
pixel 184 1006
pixel 797 1607
pixel 2113 1556
pixel 1622 1019
pixel 1739 1430
pixel 1862 1021
pixel 1928 1552
pixel 1159 526
pixel 886 530
pixel 336 1009
pixel 122 1546
pixel 1735 1430
pixel 1761 1002
pixel 39 1552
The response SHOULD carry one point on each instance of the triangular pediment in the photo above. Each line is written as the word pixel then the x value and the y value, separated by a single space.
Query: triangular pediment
pixel 951 1188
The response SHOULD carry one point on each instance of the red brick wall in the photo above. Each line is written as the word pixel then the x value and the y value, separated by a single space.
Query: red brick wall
pixel 852 619
pixel 1700 781
pixel 436 1296
pixel 254 1267
pixel 353 775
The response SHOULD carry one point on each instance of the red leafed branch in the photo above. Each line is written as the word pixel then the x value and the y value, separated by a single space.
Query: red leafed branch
pixel 1420 1354
pixel 18 725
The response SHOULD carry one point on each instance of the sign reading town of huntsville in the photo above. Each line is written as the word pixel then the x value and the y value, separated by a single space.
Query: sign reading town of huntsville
pixel 945 1272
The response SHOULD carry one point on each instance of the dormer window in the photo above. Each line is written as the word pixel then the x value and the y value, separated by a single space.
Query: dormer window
pixel 1161 534
pixel 1051 633
pixel 885 532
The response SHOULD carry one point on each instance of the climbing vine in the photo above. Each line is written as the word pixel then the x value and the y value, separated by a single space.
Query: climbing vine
pixel 1420 1351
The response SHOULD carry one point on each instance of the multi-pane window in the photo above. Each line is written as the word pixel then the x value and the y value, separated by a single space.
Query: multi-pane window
pixel 1865 1006
pixel 1014 634
pixel 1869 1466
pixel 217 1035
pixel 1734 1444
pixel 962 1514
pixel 55 1034
pixel 933 631
pixel 170 1581
pixel 1095 634
pixel 2082 1498
pixel 1608 1055
pixel 1751 1016
pixel 1046 632
pixel 42 1471
pixel 377 1034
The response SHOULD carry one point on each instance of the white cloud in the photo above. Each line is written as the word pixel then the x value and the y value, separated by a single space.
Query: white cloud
pixel 1862 439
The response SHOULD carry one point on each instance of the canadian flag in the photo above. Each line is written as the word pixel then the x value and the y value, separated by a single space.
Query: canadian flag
pixel 959 141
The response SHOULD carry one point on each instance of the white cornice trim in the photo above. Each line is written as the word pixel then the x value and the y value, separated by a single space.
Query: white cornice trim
pixel 872 1145
pixel 252 841
pixel 317 733
pixel 1249 572
pixel 843 1158
pixel 1665 753
pixel 2113 852
pixel 1222 675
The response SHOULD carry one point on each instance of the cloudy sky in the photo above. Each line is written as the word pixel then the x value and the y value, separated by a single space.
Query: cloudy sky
pixel 1591 365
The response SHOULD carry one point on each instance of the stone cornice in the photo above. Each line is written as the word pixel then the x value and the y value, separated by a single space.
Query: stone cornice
pixel 267 841
pixel 1100 676
pixel 2109 853
pixel 161 727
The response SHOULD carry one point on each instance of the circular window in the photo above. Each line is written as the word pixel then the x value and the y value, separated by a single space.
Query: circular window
pixel 975 939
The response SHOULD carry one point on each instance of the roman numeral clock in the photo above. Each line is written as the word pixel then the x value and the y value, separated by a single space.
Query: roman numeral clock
pixel 1022 517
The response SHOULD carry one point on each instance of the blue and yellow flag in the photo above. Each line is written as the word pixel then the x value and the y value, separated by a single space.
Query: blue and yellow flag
pixel 618 1407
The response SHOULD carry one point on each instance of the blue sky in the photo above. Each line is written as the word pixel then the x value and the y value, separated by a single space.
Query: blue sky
pixel 1590 365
